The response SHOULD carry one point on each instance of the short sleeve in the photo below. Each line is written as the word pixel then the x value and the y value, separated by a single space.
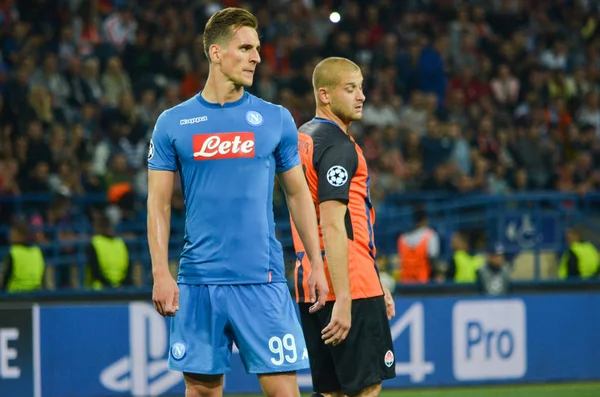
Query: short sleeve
pixel 336 168
pixel 286 154
pixel 161 153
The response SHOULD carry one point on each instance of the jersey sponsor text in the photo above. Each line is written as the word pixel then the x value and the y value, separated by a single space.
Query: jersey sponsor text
pixel 224 146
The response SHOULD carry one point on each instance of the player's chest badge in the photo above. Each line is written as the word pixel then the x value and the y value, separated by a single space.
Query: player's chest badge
pixel 254 118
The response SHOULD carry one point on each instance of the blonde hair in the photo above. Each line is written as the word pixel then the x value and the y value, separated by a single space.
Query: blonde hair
pixel 329 71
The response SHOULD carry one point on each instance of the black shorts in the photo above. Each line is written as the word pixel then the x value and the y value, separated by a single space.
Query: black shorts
pixel 365 358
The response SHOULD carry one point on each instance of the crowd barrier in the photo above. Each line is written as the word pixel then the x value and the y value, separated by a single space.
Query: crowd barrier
pixel 94 350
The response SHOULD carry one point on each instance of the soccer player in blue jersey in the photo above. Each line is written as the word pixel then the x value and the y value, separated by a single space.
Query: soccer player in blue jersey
pixel 227 147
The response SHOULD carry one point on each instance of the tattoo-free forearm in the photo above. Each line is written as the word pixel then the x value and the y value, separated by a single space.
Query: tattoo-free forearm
pixel 304 216
pixel 159 229
pixel 336 253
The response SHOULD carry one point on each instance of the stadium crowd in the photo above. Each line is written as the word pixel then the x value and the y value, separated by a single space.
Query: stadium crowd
pixel 492 96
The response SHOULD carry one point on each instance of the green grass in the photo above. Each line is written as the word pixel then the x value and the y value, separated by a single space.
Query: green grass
pixel 545 390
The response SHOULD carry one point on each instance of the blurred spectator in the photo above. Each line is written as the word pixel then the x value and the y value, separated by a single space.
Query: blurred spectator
pixel 477 98
pixel 505 87
pixel 461 151
pixel 581 260
pixel 436 147
pixel 497 182
pixel 93 90
pixel 115 82
pixel 468 82
pixel 119 28
pixel 107 258
pixel 379 113
pixel 589 112
pixel 414 117
pixel 493 278
pixel 418 251
pixel 462 267
pixel 23 268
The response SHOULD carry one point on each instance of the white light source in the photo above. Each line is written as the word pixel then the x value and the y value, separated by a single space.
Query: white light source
pixel 335 17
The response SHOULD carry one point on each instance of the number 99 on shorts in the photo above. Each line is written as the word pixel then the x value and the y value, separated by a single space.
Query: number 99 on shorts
pixel 284 349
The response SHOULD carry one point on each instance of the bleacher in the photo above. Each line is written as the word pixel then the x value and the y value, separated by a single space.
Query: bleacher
pixel 531 227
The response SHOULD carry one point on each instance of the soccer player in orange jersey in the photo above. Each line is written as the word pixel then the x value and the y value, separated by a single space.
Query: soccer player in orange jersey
pixel 349 341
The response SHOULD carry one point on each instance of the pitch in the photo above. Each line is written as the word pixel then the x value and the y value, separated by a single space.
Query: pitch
pixel 545 390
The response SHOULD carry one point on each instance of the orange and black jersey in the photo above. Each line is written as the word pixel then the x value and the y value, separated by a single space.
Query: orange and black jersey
pixel 336 169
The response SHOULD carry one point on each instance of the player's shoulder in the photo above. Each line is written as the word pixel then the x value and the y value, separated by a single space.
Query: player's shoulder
pixel 267 107
pixel 325 133
pixel 186 112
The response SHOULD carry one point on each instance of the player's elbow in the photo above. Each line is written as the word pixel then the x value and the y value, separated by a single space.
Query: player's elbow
pixel 158 203
pixel 333 227
pixel 332 217
pixel 294 185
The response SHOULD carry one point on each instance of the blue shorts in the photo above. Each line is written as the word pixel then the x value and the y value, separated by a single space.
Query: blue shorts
pixel 259 318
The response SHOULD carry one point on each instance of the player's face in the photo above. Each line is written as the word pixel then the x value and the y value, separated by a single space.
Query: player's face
pixel 348 97
pixel 240 57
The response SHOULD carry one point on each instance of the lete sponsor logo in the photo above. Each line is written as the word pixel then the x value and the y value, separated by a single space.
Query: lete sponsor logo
pixel 144 371
pixel 223 146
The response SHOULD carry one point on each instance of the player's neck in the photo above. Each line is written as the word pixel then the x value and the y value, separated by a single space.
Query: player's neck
pixel 219 90
pixel 326 113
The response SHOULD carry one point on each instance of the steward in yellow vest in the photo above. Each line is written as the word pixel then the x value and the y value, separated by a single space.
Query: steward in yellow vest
pixel 463 266
pixel 24 267
pixel 581 260
pixel 108 259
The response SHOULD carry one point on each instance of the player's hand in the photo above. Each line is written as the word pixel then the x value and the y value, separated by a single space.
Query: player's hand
pixel 339 325
pixel 390 305
pixel 318 288
pixel 165 295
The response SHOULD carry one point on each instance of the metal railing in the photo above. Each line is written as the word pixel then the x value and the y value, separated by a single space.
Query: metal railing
pixel 448 213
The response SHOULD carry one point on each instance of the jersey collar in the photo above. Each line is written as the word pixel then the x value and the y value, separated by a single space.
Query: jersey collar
pixel 322 120
pixel 213 105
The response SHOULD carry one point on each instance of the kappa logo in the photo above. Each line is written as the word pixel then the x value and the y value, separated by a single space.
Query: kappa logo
pixel 388 359
pixel 144 371
pixel 223 146
pixel 254 118
pixel 194 120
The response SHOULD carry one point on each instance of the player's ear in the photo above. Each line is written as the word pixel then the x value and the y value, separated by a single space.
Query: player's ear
pixel 215 53
pixel 323 95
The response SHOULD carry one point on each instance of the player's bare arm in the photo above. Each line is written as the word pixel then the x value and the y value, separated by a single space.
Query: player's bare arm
pixel 390 305
pixel 165 293
pixel 303 214
pixel 335 238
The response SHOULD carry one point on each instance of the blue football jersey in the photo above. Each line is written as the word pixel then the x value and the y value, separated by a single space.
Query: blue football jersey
pixel 227 156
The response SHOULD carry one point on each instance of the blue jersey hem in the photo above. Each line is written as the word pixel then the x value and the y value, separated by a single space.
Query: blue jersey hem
pixel 284 169
pixel 200 372
pixel 288 368
pixel 191 280
pixel 158 168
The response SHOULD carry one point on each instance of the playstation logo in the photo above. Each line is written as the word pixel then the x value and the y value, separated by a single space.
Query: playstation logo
pixel 144 372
